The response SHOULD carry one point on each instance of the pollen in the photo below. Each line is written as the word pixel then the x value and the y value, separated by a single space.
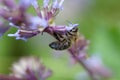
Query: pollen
pixel 51 21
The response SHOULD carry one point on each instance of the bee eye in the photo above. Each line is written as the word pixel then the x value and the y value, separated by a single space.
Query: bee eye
pixel 74 30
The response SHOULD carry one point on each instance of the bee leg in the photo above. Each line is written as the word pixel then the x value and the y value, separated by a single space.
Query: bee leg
pixel 67 44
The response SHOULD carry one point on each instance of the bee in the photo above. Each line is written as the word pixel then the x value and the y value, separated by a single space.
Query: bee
pixel 65 40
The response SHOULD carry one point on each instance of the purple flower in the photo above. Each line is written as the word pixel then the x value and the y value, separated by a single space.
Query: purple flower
pixel 6 77
pixel 79 48
pixel 30 68
pixel 96 64
pixel 27 24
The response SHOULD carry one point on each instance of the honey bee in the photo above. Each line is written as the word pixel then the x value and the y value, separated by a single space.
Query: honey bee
pixel 64 41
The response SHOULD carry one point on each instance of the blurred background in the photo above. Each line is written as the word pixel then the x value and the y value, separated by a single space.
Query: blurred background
pixel 99 22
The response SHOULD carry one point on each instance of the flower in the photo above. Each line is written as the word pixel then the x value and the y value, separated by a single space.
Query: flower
pixel 96 68
pixel 79 47
pixel 7 77
pixel 28 25
pixel 30 68
pixel 96 65
pixel 16 16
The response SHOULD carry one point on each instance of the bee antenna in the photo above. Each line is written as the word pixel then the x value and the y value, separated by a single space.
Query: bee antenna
pixel 69 22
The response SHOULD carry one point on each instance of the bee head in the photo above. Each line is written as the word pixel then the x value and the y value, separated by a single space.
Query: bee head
pixel 72 26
